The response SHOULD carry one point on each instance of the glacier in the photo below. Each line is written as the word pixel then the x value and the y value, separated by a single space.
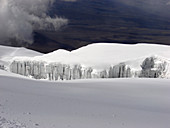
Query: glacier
pixel 151 67
pixel 101 60
pixel 52 71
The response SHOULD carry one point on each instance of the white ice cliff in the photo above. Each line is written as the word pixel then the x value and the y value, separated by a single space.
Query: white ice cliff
pixel 151 67
pixel 93 61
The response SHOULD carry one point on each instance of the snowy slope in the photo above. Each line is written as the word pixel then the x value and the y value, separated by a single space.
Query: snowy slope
pixel 114 103
pixel 98 61
pixel 7 53
pixel 103 55
pixel 10 74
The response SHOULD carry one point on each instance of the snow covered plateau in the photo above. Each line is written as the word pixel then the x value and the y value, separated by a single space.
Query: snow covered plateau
pixel 86 103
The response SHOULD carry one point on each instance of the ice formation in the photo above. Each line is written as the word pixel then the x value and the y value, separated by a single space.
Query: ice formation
pixel 154 67
pixel 52 71
pixel 151 67
pixel 120 71
pixel 2 67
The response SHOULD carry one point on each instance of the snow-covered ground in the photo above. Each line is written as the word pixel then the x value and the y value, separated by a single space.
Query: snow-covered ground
pixel 100 103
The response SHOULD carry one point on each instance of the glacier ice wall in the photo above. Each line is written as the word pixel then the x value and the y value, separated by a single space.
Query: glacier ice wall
pixel 151 67
pixel 120 71
pixel 52 71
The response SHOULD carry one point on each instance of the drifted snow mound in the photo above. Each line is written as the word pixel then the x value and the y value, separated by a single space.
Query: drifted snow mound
pixel 151 67
pixel 102 55
pixel 8 53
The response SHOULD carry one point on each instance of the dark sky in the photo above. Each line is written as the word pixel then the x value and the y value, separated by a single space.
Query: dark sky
pixel 26 23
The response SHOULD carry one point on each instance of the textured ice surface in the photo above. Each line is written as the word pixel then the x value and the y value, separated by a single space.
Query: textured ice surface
pixel 151 67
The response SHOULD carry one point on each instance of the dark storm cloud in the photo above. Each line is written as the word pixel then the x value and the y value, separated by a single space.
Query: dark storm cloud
pixel 19 18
